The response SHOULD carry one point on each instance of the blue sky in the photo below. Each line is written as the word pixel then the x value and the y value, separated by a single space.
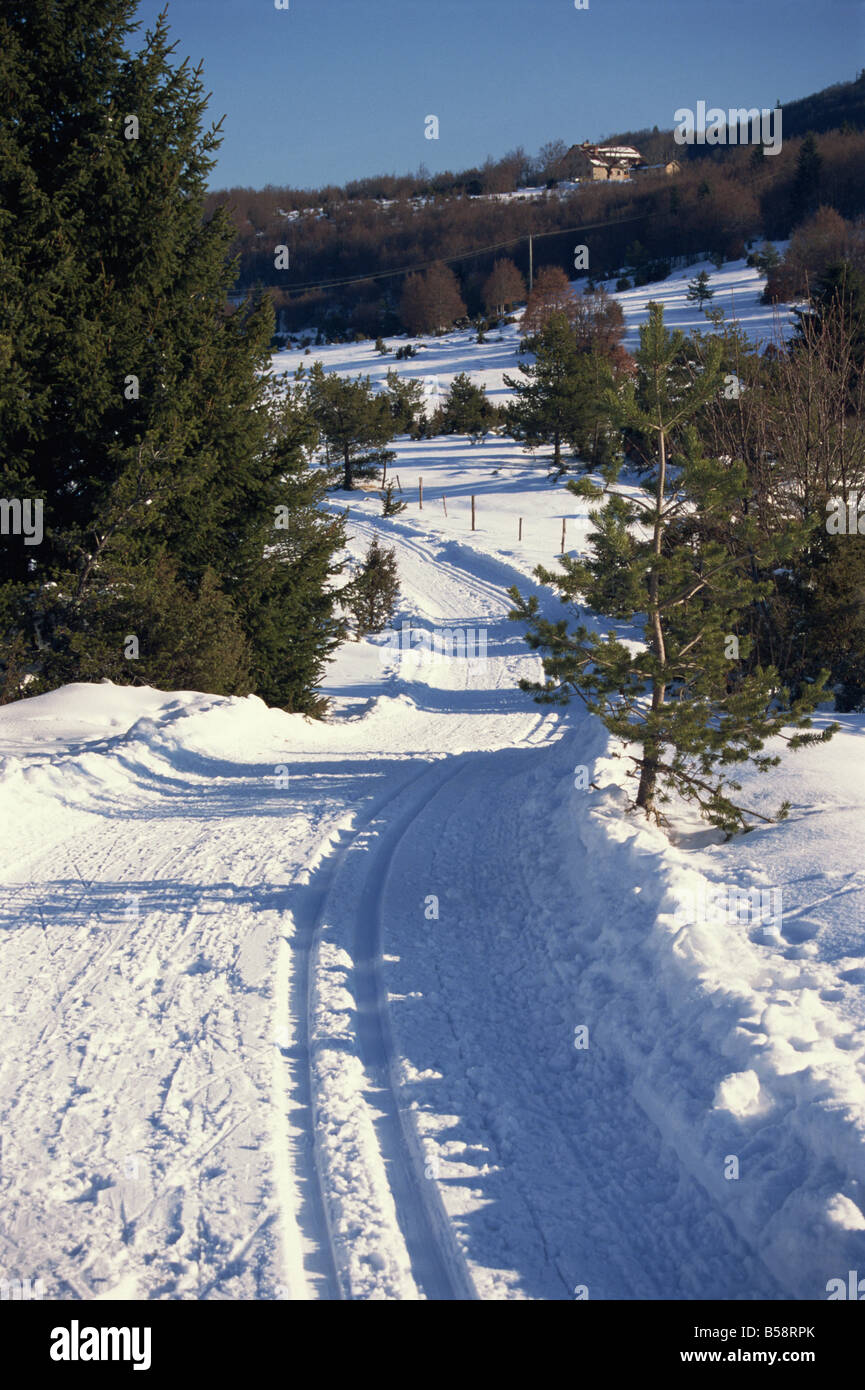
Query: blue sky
pixel 331 90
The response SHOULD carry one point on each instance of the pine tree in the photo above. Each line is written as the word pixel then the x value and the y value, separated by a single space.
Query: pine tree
pixel 406 399
pixel 390 505
pixel 805 193
pixel 672 561
pixel 355 421
pixel 464 410
pixel 698 288
pixel 372 595
pixel 555 403
pixel 133 404
pixel 768 256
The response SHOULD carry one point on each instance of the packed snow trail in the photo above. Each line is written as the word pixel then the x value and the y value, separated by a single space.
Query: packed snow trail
pixel 247 1064
pixel 409 1217
pixel 158 932
pixel 290 1008
pixel 573 1184
pixel 146 1126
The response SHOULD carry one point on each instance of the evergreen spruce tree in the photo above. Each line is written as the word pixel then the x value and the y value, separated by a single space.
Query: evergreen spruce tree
pixel 825 591
pixel 390 505
pixel 156 631
pixel 289 599
pixel 406 398
pixel 805 193
pixel 768 256
pixel 557 401
pixel 133 404
pixel 678 562
pixel 372 595
pixel 839 296
pixel 464 410
pixel 698 288
pixel 354 420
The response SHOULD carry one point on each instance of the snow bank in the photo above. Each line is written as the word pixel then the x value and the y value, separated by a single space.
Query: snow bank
pixel 734 1045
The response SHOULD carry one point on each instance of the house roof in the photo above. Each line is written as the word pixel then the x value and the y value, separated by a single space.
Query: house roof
pixel 605 156
pixel 618 152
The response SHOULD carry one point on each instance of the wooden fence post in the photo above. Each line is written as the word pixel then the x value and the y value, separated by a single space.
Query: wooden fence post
pixel 473 511
pixel 520 535
pixel 445 503
pixel 562 551
pixel 420 493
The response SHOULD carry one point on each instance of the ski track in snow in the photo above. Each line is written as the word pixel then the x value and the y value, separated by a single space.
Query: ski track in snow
pixel 342 1206
pixel 244 1060
pixel 154 1175
pixel 593 1207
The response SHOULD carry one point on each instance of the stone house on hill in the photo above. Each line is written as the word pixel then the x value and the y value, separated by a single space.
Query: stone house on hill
pixel 611 162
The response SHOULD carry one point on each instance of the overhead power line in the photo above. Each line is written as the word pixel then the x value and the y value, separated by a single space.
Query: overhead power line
pixel 460 256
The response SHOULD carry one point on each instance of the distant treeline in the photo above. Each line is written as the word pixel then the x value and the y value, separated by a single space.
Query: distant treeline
pixel 723 199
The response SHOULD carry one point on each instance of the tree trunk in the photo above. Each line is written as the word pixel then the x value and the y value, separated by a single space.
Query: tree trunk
pixel 648 776
pixel 651 751
pixel 655 612
pixel 348 480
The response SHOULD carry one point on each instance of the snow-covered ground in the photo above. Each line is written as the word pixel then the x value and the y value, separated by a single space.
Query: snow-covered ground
pixel 736 289
pixel 394 1006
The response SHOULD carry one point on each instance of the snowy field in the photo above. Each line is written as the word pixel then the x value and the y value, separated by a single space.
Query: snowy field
pixel 394 1006
pixel 736 289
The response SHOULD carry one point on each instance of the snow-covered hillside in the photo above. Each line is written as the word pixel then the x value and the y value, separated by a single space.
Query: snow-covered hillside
pixel 736 289
pixel 395 1006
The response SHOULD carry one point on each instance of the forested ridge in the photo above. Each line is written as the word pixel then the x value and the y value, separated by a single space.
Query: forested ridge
pixel 373 229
